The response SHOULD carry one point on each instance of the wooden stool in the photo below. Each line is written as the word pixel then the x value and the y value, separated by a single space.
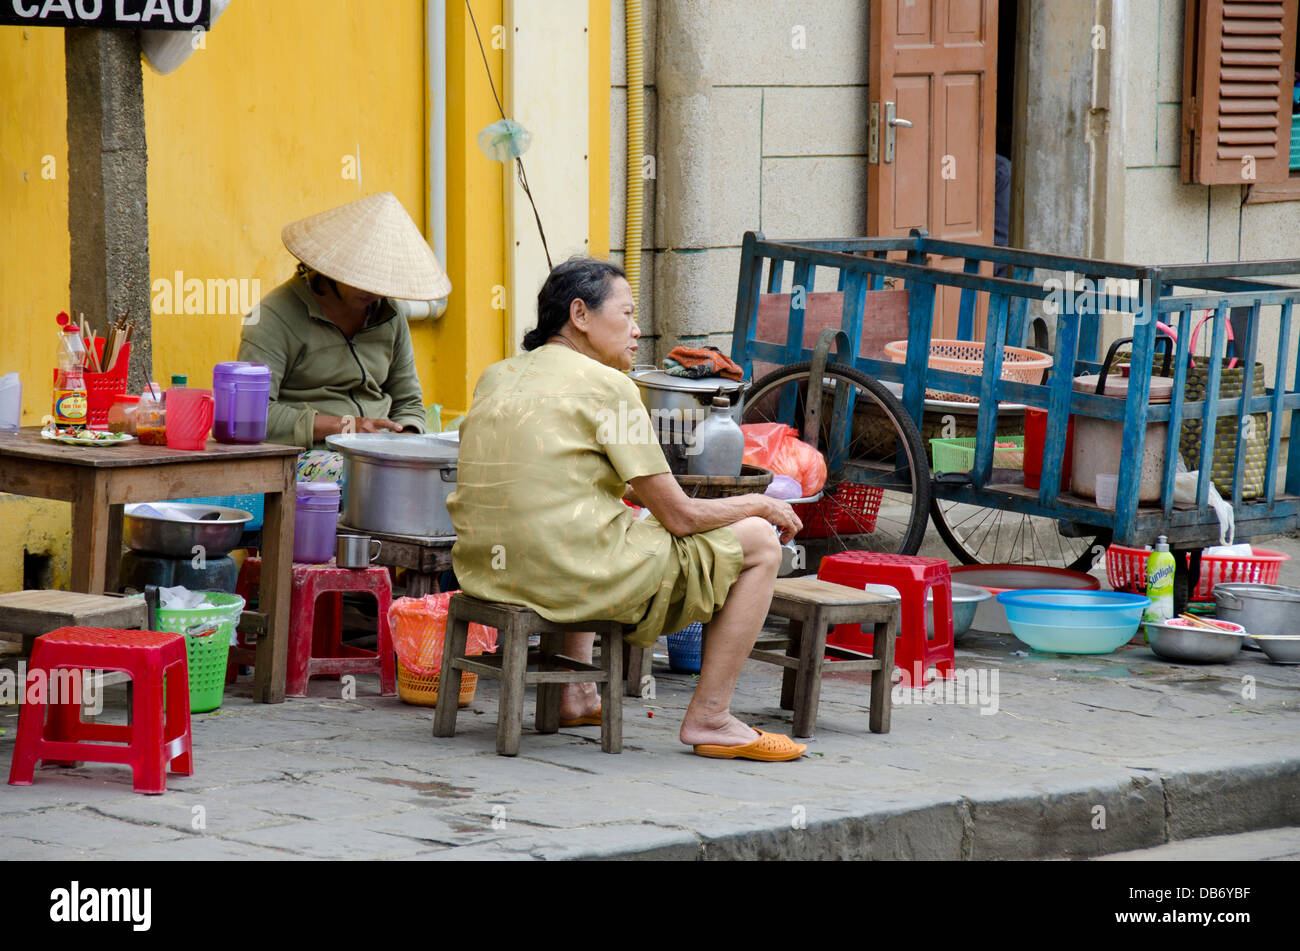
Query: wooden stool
pixel 813 608
pixel 36 612
pixel 510 665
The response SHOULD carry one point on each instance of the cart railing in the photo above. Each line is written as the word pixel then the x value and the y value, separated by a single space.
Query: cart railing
pixel 1171 294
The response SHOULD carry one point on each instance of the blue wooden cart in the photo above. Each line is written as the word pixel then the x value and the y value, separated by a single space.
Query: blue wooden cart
pixel 865 413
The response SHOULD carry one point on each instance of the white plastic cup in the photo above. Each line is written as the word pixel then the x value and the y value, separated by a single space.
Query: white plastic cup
pixel 11 401
pixel 1106 489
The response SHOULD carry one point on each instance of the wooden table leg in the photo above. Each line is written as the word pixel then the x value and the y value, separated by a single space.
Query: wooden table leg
pixel 418 584
pixel 277 567
pixel 113 565
pixel 90 532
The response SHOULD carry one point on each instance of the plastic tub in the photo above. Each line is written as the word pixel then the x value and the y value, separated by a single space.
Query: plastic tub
pixel 1058 621
pixel 242 394
pixel 315 522
pixel 991 616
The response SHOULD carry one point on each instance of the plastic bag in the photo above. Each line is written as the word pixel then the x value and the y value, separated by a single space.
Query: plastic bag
pixel 1185 491
pixel 777 447
pixel 419 627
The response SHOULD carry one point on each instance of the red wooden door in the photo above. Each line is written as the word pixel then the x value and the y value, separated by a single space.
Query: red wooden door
pixel 933 66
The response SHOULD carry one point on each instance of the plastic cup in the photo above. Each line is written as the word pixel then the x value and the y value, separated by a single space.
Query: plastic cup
pixel 11 401
pixel 1106 489
pixel 189 418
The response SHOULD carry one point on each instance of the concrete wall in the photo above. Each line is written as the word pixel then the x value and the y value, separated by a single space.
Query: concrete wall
pixel 787 149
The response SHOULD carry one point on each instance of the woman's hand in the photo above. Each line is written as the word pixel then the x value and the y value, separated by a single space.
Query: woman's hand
pixel 333 425
pixel 781 514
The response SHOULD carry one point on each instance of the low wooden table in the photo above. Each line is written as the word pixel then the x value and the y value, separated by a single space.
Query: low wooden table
pixel 425 557
pixel 32 613
pixel 99 481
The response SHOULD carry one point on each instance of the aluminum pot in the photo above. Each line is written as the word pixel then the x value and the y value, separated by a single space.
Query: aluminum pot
pixel 178 526
pixel 1259 608
pixel 677 404
pixel 397 483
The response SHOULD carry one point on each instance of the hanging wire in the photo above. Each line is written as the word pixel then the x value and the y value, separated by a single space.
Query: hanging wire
pixel 519 162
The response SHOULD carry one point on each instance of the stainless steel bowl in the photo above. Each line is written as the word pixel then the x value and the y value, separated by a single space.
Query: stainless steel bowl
pixel 1280 648
pixel 1193 645
pixel 180 526
pixel 966 599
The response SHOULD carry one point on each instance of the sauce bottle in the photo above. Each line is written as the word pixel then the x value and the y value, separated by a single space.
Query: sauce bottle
pixel 70 403
pixel 150 426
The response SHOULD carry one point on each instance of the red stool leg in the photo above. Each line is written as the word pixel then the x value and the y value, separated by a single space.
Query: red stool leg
pixel 176 723
pixel 387 654
pixel 63 701
pixel 940 652
pixel 148 751
pixel 31 725
pixel 302 616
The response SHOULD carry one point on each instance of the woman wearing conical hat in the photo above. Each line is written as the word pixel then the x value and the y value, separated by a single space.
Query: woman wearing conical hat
pixel 340 355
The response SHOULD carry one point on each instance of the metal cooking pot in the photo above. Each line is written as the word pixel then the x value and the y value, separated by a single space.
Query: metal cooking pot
pixel 677 404
pixel 397 483
pixel 1259 608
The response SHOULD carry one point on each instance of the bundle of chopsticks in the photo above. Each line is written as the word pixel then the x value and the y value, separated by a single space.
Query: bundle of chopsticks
pixel 1206 623
pixel 118 336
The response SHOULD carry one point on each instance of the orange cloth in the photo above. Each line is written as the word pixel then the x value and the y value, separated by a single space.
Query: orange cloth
pixel 705 361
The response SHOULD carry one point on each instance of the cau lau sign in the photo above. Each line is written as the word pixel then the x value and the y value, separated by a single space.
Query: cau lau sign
pixel 107 14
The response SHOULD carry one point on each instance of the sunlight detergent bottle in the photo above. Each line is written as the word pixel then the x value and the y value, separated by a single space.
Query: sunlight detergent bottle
pixel 1160 582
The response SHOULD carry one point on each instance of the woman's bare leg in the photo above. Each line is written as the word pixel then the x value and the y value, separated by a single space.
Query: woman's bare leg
pixel 578 700
pixel 730 637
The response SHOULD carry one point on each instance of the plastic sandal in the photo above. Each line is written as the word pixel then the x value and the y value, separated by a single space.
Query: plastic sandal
pixel 768 748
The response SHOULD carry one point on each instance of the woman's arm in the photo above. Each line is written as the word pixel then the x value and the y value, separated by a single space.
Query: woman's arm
pixel 682 515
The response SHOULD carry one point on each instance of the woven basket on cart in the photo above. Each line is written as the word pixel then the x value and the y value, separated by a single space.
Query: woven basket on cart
pixel 1254 460
pixel 966 356
pixel 752 479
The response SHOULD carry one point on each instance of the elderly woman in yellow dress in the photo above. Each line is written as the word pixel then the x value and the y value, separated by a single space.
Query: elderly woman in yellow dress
pixel 540 519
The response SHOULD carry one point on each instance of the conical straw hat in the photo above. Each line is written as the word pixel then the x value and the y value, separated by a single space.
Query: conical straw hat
pixel 371 244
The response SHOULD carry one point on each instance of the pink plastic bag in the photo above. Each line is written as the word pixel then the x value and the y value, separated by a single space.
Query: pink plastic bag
pixel 777 447
pixel 419 627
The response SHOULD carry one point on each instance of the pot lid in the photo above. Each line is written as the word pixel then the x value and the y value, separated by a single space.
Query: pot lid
pixel 1162 387
pixel 396 447
pixel 241 370
pixel 1259 592
pixel 662 380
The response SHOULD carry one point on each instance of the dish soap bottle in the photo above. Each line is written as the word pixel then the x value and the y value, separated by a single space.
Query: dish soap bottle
pixel 718 445
pixel 70 402
pixel 1160 582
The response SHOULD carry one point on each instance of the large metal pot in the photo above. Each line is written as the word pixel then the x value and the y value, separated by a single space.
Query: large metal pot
pixel 1259 608
pixel 677 404
pixel 397 483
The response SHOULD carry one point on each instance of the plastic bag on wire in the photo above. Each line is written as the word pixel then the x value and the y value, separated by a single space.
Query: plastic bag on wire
pixel 777 447
pixel 419 628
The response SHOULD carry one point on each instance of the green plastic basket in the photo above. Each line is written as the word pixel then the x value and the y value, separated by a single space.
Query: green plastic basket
pixel 958 455
pixel 207 655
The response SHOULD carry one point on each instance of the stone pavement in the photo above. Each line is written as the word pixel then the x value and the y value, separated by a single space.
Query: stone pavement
pixel 1076 757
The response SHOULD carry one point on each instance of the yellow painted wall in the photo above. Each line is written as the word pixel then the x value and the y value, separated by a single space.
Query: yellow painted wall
pixel 247 135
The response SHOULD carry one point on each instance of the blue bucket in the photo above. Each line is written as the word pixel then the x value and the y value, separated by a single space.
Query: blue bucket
pixel 685 648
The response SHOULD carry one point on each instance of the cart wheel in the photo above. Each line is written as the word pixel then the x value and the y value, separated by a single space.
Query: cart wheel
pixel 983 535
pixel 881 448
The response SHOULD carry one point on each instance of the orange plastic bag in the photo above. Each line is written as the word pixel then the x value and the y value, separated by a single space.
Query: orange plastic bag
pixel 419 627
pixel 778 447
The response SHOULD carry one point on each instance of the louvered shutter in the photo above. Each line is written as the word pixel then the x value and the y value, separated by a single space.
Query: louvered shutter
pixel 1238 63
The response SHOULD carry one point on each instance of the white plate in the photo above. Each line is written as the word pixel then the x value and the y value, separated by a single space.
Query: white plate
pixel 107 439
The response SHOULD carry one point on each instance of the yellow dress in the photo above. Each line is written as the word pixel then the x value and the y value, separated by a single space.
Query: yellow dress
pixel 546 451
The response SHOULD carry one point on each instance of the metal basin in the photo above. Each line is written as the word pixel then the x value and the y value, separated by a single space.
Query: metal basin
pixel 180 526
pixel 1185 643
pixel 966 599
pixel 991 616
pixel 1280 648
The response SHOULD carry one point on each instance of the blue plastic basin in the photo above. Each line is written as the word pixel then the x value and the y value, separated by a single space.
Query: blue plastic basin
pixel 1057 621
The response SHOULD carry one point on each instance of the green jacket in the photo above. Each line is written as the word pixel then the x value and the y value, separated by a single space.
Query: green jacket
pixel 316 369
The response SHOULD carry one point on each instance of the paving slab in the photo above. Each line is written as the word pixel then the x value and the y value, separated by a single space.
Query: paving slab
pixel 1059 757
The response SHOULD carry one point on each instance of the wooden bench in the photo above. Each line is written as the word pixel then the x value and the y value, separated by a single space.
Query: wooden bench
pixel 813 607
pixel 509 665
pixel 34 612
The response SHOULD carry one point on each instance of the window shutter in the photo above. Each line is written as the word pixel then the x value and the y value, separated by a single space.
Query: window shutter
pixel 1238 63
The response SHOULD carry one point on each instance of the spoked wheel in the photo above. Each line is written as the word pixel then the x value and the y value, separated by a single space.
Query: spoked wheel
pixel 873 453
pixel 983 535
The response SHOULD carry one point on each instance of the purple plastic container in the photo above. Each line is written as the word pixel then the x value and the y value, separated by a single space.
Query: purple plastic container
pixel 315 522
pixel 242 392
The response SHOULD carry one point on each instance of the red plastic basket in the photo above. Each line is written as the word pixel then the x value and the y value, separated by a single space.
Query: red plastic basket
pixel 1126 570
pixel 847 509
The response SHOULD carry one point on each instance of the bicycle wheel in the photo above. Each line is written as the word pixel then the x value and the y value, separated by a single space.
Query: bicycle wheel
pixel 984 535
pixel 873 452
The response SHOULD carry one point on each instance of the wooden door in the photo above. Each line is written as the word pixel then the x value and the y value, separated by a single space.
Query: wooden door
pixel 933 64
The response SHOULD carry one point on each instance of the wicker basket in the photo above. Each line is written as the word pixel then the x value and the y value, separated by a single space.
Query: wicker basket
pixel 423 691
pixel 752 479
pixel 1224 459
pixel 967 356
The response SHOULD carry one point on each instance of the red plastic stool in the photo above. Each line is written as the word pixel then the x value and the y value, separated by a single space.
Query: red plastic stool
pixel 155 739
pixel 913 577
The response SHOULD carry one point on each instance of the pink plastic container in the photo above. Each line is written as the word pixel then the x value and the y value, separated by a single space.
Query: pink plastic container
pixel 189 417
